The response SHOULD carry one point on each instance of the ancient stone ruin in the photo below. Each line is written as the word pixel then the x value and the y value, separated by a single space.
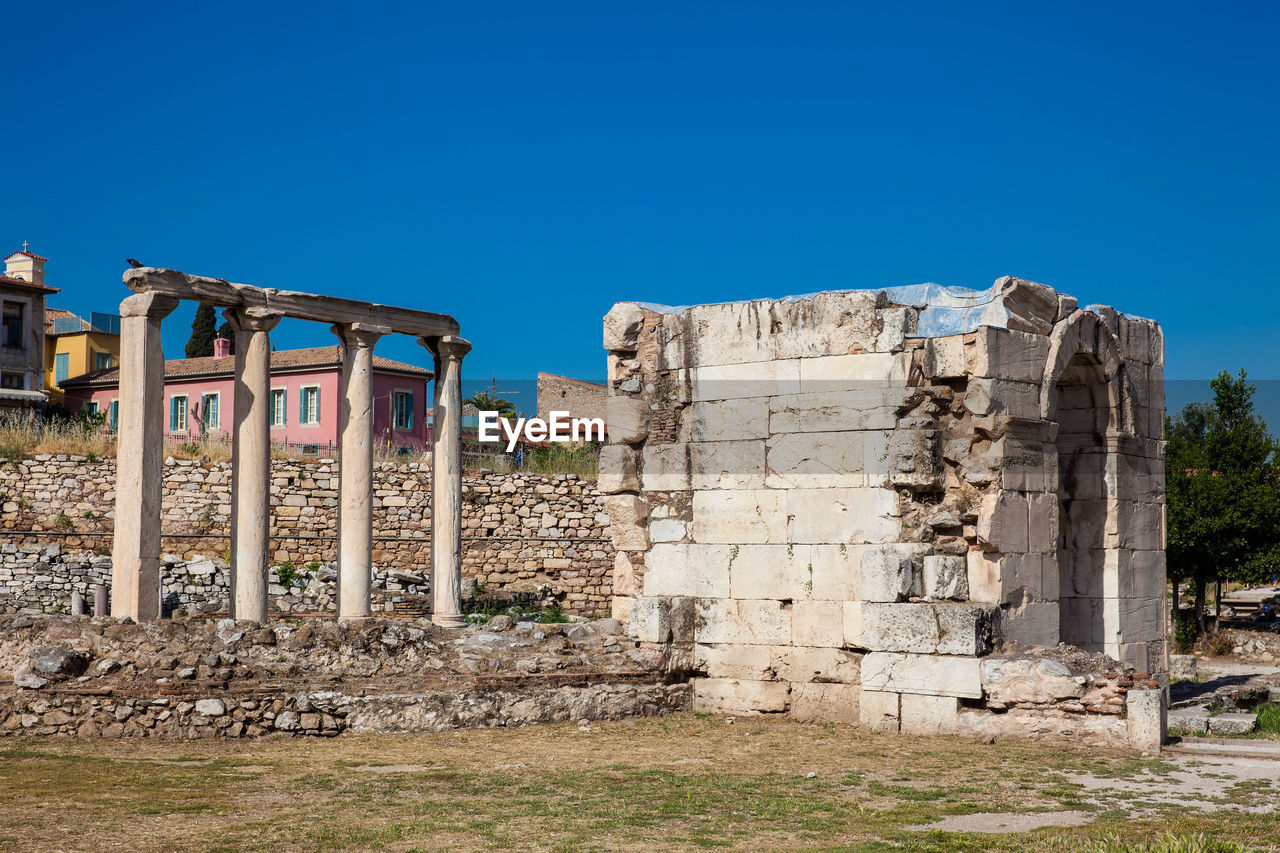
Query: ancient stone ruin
pixel 891 507
pixel 253 312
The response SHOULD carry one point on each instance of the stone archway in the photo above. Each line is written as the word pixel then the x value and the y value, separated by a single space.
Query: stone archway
pixel 1083 395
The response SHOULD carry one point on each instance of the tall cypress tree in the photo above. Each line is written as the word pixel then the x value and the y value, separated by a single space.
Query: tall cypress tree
pixel 200 344
pixel 225 331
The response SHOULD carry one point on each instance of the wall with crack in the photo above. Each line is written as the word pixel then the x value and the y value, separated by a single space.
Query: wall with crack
pixel 820 510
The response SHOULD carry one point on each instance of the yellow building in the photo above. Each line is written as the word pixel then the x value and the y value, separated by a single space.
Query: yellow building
pixel 74 347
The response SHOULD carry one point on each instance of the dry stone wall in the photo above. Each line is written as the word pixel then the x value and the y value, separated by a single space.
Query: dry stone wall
pixel 544 537
pixel 839 505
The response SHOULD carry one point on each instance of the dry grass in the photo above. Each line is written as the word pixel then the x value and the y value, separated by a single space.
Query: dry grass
pixel 668 784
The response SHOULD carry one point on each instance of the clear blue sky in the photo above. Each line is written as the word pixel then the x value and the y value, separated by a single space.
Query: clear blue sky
pixel 523 166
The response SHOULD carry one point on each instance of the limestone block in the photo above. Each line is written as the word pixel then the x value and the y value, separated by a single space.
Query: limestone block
pixel 701 571
pixel 683 619
pixel 743 516
pixel 736 696
pixel 749 621
pixel 839 373
pixel 665 467
pixel 1141 620
pixel 887 575
pixel 827 460
pixel 1042 523
pixel 808 663
pixel 945 357
pixel 826 324
pixel 624 576
pixel 817 623
pixel 727 465
pixel 932 675
pixel 731 333
pixel 650 619
pixel 622 327
pixel 1009 681
pixel 627 419
pixel 1183 667
pixel 1142 477
pixel 1002 522
pixel 928 715
pixel 738 381
pixel 870 406
pixel 618 469
pixel 853 623
pixel 743 661
pixel 1008 354
pixel 942 628
pixel 834 516
pixel 1146 577
pixel 1003 397
pixel 1140 525
pixel 878 710
pixel 946 576
pixel 628 515
pixel 725 420
pixel 826 703
pixel 1026 465
pixel 1034 623
pixel 667 530
pixel 1146 721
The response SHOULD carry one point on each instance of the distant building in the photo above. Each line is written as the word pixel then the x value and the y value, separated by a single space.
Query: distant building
pixel 581 399
pixel 22 293
pixel 199 396
pixel 75 346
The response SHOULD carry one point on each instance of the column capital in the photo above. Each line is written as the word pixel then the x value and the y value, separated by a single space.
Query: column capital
pixel 447 347
pixel 252 319
pixel 150 304
pixel 362 335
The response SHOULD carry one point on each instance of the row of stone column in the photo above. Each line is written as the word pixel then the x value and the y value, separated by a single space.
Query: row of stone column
pixel 140 475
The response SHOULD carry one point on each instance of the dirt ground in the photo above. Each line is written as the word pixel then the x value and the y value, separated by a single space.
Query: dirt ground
pixel 672 783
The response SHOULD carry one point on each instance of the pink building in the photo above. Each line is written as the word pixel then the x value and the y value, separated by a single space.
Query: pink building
pixel 199 397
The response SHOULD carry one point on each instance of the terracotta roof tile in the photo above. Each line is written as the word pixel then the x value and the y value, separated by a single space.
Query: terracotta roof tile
pixel 28 254
pixel 282 360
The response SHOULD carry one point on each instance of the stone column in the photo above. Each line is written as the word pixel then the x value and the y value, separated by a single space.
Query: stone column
pixel 446 482
pixel 251 462
pixel 135 552
pixel 355 484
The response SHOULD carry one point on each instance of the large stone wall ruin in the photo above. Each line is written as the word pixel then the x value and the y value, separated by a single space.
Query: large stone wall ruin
pixel 844 505
pixel 523 533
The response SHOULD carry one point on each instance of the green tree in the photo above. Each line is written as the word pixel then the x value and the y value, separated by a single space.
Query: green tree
pixel 486 402
pixel 225 331
pixel 200 344
pixel 1223 493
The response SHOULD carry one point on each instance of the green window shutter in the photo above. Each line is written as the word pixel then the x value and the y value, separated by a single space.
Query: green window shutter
pixel 408 418
pixel 302 406
pixel 173 414
pixel 62 367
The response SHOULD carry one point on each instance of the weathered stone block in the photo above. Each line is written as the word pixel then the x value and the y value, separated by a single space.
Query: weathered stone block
pixel 628 515
pixel 927 674
pixel 727 465
pixel 879 711
pixel 946 577
pixel 871 406
pixel 827 460
pixel 627 419
pixel 746 516
pixel 618 469
pixel 752 622
pixel 1010 681
pixel 622 327
pixel 817 623
pixel 665 467
pixel 1003 397
pixel 826 703
pixel 1147 723
pixel 824 664
pixel 846 372
pixel 1033 623
pixel 738 381
pixel 699 571
pixel 736 696
pixel 834 516
pixel 650 619
pixel 743 661
pixel 949 629
pixel 1008 354
pixel 1002 522
pixel 928 715
pixel 887 575
pixel 725 420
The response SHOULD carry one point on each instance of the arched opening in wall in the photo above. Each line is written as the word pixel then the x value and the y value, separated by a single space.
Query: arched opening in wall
pixel 1085 416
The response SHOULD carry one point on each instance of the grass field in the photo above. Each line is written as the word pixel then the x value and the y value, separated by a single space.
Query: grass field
pixel 676 783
